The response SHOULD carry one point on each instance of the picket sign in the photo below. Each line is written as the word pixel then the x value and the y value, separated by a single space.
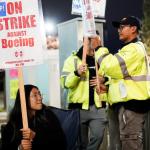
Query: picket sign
pixel 89 30
pixel 88 18
pixel 21 40
pixel 99 7
pixel 88 25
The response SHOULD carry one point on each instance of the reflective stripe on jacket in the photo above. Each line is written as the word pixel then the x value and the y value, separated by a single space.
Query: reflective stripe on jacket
pixel 78 87
pixel 129 72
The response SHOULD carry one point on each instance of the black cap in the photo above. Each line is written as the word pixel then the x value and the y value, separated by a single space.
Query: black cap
pixel 131 20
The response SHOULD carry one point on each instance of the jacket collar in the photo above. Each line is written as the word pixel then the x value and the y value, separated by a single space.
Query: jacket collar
pixel 133 41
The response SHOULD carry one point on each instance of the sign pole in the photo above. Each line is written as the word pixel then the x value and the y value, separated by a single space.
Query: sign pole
pixel 85 48
pixel 97 78
pixel 22 99
pixel 89 30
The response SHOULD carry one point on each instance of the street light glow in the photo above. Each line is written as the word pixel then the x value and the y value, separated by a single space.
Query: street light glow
pixel 49 27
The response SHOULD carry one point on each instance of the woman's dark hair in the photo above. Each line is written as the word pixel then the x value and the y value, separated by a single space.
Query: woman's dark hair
pixel 15 116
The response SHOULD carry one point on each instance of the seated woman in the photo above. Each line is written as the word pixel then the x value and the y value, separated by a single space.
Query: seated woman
pixel 44 130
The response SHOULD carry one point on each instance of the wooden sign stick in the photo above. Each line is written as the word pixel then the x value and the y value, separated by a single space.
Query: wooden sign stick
pixel 97 78
pixel 22 99
pixel 85 47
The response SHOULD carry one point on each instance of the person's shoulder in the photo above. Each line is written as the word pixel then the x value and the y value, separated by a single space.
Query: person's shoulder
pixel 129 47
pixel 136 45
pixel 133 44
pixel 134 49
pixel 51 113
pixel 102 48
pixel 48 110
pixel 72 56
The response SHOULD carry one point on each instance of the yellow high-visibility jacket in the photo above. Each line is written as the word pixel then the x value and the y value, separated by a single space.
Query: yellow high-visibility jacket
pixel 128 71
pixel 78 87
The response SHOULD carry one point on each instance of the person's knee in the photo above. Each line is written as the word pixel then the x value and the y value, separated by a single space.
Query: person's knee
pixel 132 141
pixel 99 135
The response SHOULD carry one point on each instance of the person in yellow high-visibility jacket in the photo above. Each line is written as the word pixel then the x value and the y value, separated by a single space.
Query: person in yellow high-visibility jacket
pixel 129 84
pixel 80 80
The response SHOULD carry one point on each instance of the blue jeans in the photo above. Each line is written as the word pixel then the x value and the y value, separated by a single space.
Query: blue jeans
pixel 93 123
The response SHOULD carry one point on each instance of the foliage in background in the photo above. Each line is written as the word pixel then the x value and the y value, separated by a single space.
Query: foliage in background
pixel 146 26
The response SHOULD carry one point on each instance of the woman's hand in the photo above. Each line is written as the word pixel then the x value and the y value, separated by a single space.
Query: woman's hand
pixel 28 134
pixel 25 145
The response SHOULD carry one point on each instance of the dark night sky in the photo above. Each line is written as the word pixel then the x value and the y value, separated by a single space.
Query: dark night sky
pixel 57 10
pixel 60 11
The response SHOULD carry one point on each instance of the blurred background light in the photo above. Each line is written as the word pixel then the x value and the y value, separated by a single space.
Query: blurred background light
pixel 50 27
